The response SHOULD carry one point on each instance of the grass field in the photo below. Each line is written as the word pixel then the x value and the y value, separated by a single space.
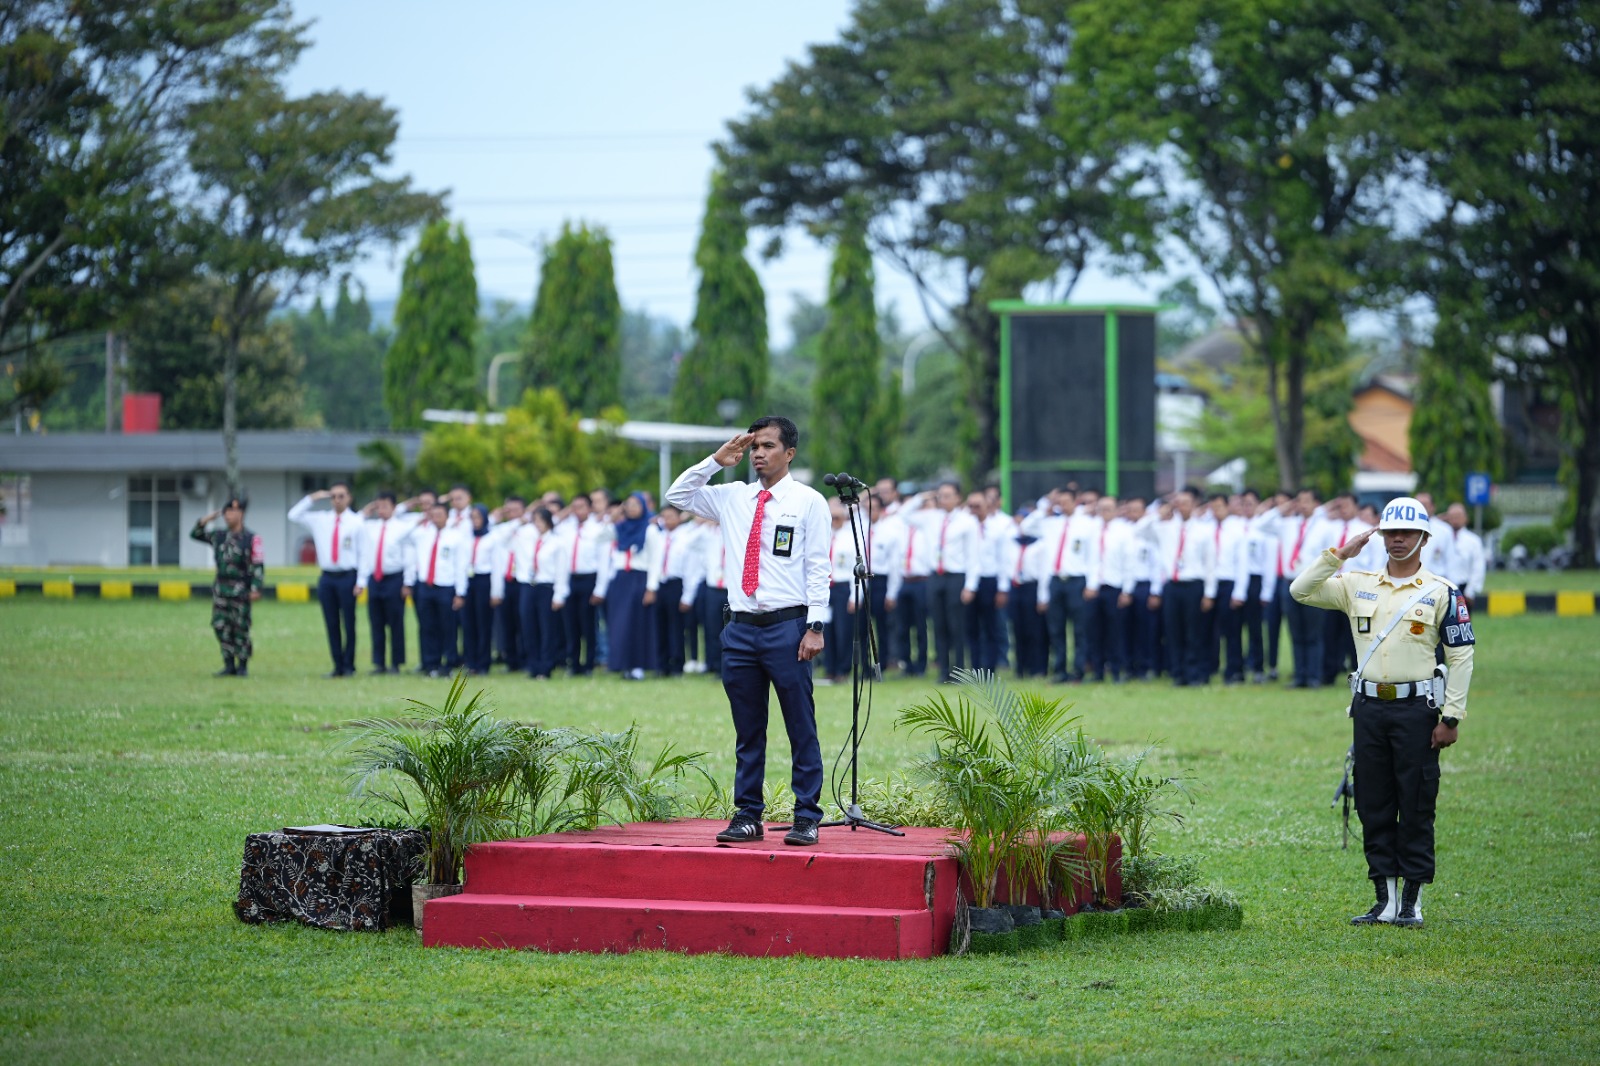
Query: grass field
pixel 129 778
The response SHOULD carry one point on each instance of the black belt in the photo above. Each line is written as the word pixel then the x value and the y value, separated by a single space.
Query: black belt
pixel 338 573
pixel 770 618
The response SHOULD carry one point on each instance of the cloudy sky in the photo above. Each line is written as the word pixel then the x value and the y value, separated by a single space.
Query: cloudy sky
pixel 534 112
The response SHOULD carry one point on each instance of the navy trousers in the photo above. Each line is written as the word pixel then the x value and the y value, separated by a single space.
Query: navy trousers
pixel 436 625
pixel 882 629
pixel 508 626
pixel 841 629
pixel 912 608
pixel 1066 612
pixel 670 622
pixel 984 626
pixel 542 629
pixel 386 615
pixel 1185 629
pixel 477 624
pixel 1144 634
pixel 1227 648
pixel 1273 613
pixel 708 604
pixel 1030 632
pixel 582 626
pixel 1110 644
pixel 336 591
pixel 1306 627
pixel 949 616
pixel 1250 626
pixel 756 660
pixel 1338 647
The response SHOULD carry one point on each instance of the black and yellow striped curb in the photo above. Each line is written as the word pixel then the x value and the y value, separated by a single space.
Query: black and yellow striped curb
pixel 1499 604
pixel 111 589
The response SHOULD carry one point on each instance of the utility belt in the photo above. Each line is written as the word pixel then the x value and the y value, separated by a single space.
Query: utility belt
pixel 1431 690
pixel 767 618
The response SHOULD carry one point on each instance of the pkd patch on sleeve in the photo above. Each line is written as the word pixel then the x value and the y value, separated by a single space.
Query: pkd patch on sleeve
pixel 783 541
pixel 1456 630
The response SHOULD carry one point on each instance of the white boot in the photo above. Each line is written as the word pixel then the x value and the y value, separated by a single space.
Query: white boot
pixel 1388 905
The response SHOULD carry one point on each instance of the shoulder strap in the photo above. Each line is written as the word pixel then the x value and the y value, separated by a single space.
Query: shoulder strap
pixel 1399 615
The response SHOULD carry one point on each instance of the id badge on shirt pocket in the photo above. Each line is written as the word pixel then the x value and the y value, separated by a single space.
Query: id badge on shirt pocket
pixel 783 541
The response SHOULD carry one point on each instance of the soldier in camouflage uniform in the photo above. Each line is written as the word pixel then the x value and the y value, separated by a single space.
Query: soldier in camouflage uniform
pixel 238 583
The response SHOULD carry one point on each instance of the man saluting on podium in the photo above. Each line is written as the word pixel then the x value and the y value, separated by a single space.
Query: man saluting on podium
pixel 779 530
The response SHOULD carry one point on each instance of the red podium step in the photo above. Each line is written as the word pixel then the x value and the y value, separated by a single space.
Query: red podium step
pixel 671 887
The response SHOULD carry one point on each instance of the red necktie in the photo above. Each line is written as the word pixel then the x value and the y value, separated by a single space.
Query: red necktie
pixel 1061 549
pixel 752 547
pixel 533 564
pixel 722 569
pixel 1344 534
pixel 336 536
pixel 1183 533
pixel 377 569
pixel 433 559
pixel 666 553
pixel 942 530
pixel 511 561
pixel 911 541
pixel 1294 556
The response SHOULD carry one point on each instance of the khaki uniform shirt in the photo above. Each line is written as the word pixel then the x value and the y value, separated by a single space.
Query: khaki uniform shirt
pixel 1371 600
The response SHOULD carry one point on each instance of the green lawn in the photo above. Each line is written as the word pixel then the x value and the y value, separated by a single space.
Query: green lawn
pixel 129 778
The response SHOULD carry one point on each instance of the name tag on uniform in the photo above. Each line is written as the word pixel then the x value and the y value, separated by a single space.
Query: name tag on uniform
pixel 1363 625
pixel 783 541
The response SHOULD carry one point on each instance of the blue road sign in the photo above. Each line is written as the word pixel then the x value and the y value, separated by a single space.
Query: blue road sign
pixel 1478 486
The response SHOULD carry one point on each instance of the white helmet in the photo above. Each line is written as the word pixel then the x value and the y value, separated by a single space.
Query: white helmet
pixel 1403 512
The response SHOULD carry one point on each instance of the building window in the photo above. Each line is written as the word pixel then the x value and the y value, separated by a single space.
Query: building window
pixel 153 533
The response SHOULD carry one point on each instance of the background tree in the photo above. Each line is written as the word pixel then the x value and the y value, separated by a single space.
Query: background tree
pixel 847 403
pixel 728 357
pixel 1253 117
pixel 174 349
pixel 652 349
pixel 575 335
pixel 941 121
pixel 432 362
pixel 1454 431
pixel 1502 107
pixel 92 102
pixel 289 193
pixel 343 356
pixel 500 332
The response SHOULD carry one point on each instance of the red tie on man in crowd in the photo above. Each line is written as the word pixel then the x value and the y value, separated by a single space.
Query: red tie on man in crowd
pixel 377 568
pixel 942 530
pixel 336 536
pixel 752 547
pixel 1183 534
pixel 433 557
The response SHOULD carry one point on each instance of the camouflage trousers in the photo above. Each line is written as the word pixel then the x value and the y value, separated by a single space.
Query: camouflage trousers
pixel 230 619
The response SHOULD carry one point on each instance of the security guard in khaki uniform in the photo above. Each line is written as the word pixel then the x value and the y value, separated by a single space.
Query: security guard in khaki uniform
pixel 1404 709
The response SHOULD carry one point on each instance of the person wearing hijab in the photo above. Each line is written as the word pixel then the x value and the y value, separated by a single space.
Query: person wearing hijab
pixel 477 617
pixel 630 624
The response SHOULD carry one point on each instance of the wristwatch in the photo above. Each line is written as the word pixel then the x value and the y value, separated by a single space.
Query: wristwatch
pixel 1450 723
pixel 815 627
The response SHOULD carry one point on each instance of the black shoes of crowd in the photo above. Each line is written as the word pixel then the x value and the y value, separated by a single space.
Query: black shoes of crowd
pixel 802 833
pixel 234 668
pixel 747 830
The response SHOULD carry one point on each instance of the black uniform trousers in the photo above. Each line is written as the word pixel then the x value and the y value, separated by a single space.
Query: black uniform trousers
pixel 477 625
pixel 877 592
pixel 708 604
pixel 582 626
pixel 1030 631
pixel 1067 611
pixel 1144 634
pixel 386 615
pixel 1274 612
pixel 336 591
pixel 949 617
pixel 984 626
pixel 670 623
pixel 912 625
pixel 542 629
pixel 436 625
pixel 508 626
pixel 1397 785
pixel 757 660
pixel 1184 623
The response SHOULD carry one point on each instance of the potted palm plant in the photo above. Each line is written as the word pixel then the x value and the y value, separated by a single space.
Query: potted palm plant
pixel 454 769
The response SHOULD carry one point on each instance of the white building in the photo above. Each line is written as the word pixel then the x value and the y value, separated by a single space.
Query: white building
pixel 100 499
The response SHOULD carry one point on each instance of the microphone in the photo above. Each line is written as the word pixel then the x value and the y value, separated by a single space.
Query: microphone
pixel 843 479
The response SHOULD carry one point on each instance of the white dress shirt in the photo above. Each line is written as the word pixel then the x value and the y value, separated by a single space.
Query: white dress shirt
pixel 444 553
pixel 587 550
pixel 383 539
pixel 337 534
pixel 798 512
pixel 1184 551
pixel 540 558
pixel 627 560
pixel 1468 560
pixel 950 537
pixel 708 565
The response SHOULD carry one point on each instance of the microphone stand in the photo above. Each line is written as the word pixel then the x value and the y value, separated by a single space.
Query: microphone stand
pixel 864 665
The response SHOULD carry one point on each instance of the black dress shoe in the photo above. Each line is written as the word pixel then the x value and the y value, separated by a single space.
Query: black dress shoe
pixel 1410 915
pixel 804 832
pixel 336 673
pixel 742 830
pixel 379 670
pixel 243 671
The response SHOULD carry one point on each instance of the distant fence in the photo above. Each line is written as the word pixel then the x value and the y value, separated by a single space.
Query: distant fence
pixel 1498 605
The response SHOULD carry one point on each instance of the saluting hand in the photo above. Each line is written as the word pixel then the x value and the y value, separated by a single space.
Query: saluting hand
pixel 1353 546
pixel 732 452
